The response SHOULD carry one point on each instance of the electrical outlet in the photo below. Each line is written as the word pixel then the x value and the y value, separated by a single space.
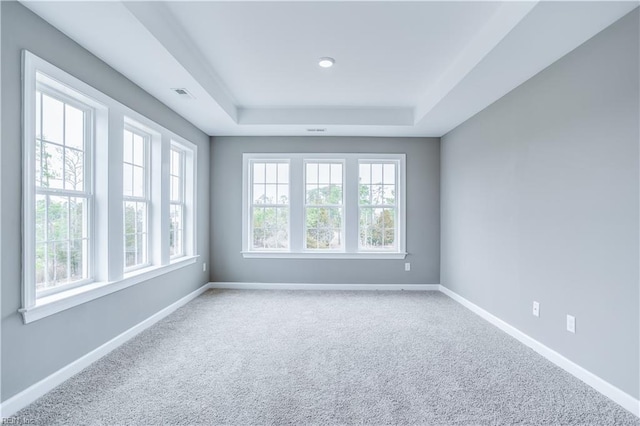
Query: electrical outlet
pixel 407 266
pixel 536 309
pixel 204 267
pixel 571 323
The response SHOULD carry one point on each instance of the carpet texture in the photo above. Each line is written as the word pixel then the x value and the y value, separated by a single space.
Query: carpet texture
pixel 241 357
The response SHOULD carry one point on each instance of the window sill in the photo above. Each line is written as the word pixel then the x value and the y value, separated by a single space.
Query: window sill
pixel 325 255
pixel 58 302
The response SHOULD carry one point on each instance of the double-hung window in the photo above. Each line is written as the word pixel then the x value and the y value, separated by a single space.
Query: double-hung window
pixel 136 197
pixel 63 190
pixel 300 205
pixel 323 205
pixel 378 209
pixel 101 209
pixel 269 205
pixel 176 202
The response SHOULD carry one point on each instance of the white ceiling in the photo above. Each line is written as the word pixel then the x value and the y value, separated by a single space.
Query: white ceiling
pixel 402 68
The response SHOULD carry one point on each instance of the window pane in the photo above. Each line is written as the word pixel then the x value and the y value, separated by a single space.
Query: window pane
pixel 283 173
pixel 365 194
pixel 132 229
pixel 283 227
pixel 389 174
pixel 138 182
pixel 74 127
pixel 127 179
pixel 365 173
pixel 312 173
pixel 73 169
pixel 336 173
pixel 258 173
pixel 323 173
pixel 324 228
pixel 376 173
pixel 130 221
pixel 176 163
pixel 312 238
pixel 57 219
pixel 175 189
pixel 271 194
pixel 77 259
pixel 377 228
pixel 78 218
pixel 283 194
pixel 129 250
pixel 335 195
pixel 138 150
pixel 389 195
pixel 176 230
pixel 377 193
pixel 259 194
pixel 313 194
pixel 271 172
pixel 52 119
pixel 52 167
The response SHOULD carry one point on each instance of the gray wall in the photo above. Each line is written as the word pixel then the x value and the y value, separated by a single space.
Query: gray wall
pixel 540 202
pixel 32 352
pixel 423 214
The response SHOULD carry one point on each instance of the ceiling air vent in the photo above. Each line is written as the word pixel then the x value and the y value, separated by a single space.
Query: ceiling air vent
pixel 316 130
pixel 183 93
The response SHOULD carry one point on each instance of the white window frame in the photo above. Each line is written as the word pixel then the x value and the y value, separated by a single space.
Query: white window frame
pixel 52 89
pixel 106 206
pixel 146 198
pixel 251 205
pixel 350 223
pixel 308 206
pixel 189 155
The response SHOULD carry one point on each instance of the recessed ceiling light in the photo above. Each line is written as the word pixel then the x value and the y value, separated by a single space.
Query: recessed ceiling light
pixel 326 62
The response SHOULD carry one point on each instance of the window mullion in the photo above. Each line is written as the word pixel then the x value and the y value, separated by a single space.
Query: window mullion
pixel 296 204
pixel 351 208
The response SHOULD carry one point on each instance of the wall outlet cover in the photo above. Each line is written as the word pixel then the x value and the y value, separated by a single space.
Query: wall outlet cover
pixel 571 323
pixel 536 309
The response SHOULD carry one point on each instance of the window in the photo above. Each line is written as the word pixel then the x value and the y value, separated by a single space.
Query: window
pixel 324 206
pixel 63 191
pixel 102 211
pixel 270 205
pixel 378 210
pixel 136 197
pixel 177 204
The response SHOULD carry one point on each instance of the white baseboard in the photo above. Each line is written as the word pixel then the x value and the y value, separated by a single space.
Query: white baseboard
pixel 35 391
pixel 308 286
pixel 29 395
pixel 607 389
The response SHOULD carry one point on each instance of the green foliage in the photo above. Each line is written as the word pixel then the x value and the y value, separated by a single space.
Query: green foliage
pixel 59 240
pixel 270 227
pixel 377 228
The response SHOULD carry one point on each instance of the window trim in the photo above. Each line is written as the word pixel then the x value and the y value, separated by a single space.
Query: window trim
pixel 110 119
pixel 351 206
pixel 87 193
pixel 251 205
pixel 189 195
pixel 306 206
pixel 147 137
